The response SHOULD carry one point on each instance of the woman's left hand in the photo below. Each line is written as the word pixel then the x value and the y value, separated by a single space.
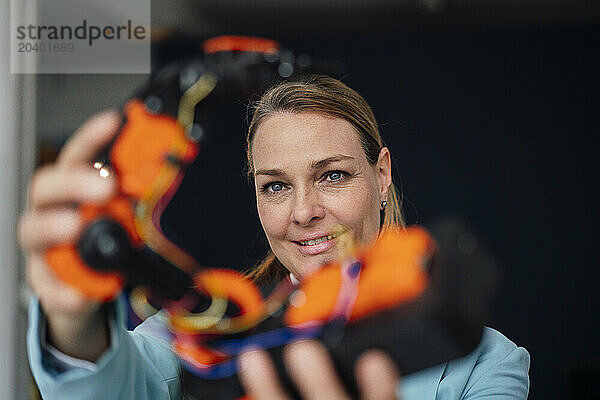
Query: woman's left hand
pixel 312 371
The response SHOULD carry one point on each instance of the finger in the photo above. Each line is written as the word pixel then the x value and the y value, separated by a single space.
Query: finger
pixel 41 230
pixel 376 376
pixel 55 295
pixel 51 186
pixel 90 138
pixel 258 376
pixel 311 369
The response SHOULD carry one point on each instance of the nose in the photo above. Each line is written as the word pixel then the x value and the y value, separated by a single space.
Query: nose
pixel 307 208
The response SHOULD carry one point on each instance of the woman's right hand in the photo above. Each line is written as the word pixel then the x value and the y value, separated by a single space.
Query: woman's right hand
pixel 311 369
pixel 75 325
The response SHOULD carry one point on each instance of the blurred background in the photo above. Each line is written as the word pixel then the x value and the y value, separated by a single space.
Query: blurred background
pixel 489 108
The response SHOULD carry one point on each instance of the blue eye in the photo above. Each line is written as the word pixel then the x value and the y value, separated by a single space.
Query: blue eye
pixel 333 176
pixel 276 187
pixel 273 187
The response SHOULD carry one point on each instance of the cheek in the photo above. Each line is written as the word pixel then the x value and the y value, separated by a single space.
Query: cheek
pixel 272 219
pixel 357 209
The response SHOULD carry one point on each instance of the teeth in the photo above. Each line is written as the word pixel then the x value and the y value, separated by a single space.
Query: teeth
pixel 322 239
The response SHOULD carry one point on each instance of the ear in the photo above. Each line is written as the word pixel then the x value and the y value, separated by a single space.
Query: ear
pixel 384 172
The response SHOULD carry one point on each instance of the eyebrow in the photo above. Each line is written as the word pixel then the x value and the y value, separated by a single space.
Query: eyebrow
pixel 313 165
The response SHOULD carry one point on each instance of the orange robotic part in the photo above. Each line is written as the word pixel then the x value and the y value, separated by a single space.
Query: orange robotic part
pixel 71 269
pixel 223 284
pixel 140 151
pixel 392 274
pixel 240 43
pixel 137 162
pixel 233 286
pixel 201 356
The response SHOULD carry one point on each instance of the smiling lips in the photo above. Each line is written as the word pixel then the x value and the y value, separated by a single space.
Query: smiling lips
pixel 317 245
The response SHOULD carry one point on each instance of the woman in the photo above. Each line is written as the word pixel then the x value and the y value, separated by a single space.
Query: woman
pixel 319 169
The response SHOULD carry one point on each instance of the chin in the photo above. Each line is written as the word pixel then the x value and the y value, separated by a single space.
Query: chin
pixel 315 264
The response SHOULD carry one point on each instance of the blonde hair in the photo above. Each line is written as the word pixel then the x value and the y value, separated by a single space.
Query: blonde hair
pixel 322 94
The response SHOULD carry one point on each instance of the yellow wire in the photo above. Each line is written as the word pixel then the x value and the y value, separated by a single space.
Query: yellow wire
pixel 198 91
pixel 140 304
pixel 143 218
pixel 203 320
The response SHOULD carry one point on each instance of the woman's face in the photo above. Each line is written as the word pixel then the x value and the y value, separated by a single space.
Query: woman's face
pixel 313 182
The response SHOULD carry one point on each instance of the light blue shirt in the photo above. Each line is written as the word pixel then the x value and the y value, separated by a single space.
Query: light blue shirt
pixel 141 365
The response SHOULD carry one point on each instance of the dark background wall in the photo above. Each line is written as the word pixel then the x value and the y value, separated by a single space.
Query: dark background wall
pixel 495 124
pixel 498 126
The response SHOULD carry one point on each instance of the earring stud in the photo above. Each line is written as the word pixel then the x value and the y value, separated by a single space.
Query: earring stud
pixel 383 204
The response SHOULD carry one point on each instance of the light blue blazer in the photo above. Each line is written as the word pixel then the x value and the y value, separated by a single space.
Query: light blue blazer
pixel 141 365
